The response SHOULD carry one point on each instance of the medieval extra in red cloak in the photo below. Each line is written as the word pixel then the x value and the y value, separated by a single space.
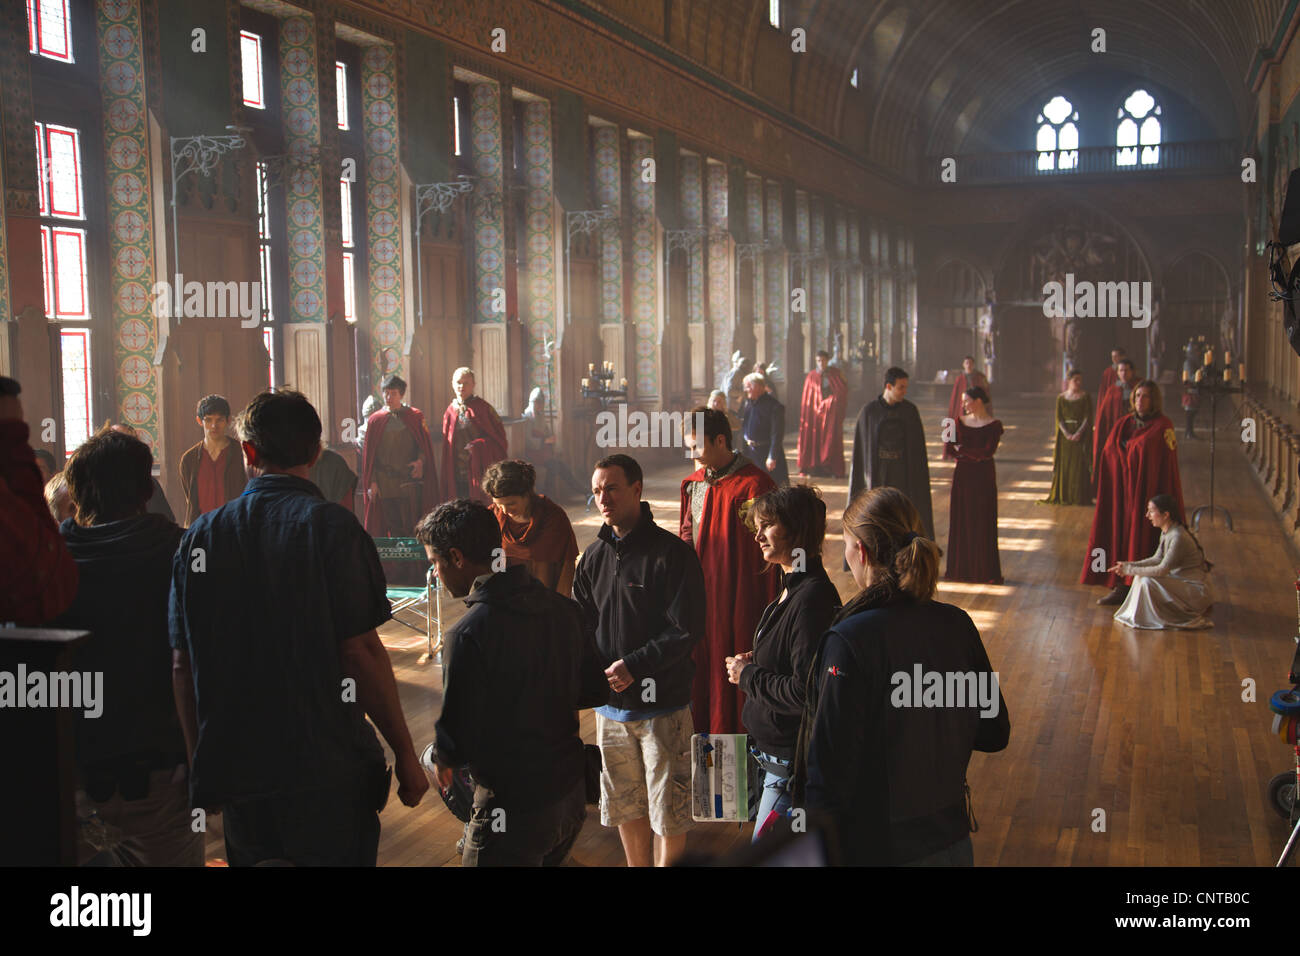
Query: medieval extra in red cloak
pixel 375 521
pixel 821 422
pixel 1139 462
pixel 488 449
pixel 739 586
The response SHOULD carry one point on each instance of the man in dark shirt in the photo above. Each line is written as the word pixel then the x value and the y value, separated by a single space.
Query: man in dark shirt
pixel 641 588
pixel 516 669
pixel 764 429
pixel 276 597
pixel 131 796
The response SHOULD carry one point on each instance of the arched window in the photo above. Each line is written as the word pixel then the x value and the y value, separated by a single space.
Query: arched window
pixel 1139 126
pixel 1058 135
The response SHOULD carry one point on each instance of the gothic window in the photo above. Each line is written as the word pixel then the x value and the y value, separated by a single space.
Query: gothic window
pixel 1058 135
pixel 1138 129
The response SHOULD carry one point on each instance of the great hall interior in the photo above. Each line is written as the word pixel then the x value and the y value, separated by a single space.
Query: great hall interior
pixel 574 197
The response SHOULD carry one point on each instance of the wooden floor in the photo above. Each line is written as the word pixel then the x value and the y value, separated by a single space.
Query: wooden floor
pixel 1146 727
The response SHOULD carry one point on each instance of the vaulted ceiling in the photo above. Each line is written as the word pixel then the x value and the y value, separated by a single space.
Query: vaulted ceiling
pixel 936 76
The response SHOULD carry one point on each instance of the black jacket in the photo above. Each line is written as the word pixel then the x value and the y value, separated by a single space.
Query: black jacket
pixel 515 669
pixel 764 424
pixel 125 572
pixel 643 595
pixel 888 772
pixel 784 646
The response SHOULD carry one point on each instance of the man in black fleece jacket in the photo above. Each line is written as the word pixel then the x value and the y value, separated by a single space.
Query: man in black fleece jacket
pixel 131 757
pixel 642 590
pixel 516 668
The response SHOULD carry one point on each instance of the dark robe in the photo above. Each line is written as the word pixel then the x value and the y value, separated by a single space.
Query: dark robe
pixel 1140 460
pixel 486 446
pixel 545 543
pixel 738 583
pixel 889 450
pixel 973 513
pixel 1112 408
pixel 821 422
pixel 376 521
pixel 959 386
pixel 764 426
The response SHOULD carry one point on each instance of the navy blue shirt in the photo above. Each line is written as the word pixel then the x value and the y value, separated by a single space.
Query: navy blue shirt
pixel 283 578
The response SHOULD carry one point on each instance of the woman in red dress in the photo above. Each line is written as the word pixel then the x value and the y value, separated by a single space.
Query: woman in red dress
pixel 973 514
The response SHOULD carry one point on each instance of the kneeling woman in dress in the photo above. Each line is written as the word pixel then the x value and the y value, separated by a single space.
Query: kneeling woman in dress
pixel 1171 589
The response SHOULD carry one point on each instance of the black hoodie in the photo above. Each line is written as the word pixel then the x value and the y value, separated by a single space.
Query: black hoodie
pixel 515 670
pixel 125 578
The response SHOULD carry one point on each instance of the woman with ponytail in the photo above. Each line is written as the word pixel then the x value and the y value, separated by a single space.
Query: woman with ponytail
pixel 1171 589
pixel 899 694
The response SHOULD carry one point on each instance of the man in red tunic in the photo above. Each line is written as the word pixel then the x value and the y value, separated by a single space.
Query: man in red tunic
pixel 1110 375
pixel 969 378
pixel 821 420
pixel 1116 400
pixel 716 503
pixel 475 439
pixel 398 466
pixel 1140 460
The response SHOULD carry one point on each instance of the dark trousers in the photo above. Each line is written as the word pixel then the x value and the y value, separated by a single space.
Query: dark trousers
pixel 543 836
pixel 331 826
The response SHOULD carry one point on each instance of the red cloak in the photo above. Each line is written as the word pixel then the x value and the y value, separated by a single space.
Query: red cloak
pixel 1109 377
pixel 821 422
pixel 739 587
pixel 375 521
pixel 1110 410
pixel 959 386
pixel 483 452
pixel 1138 462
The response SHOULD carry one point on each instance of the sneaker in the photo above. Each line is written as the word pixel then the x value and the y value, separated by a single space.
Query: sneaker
pixel 1116 596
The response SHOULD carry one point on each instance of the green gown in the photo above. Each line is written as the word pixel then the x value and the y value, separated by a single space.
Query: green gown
pixel 1072 460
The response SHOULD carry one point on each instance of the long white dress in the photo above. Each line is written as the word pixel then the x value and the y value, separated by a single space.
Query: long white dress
pixel 1171 589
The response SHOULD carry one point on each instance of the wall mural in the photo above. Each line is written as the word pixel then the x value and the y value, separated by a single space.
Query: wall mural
pixel 719 247
pixel 383 211
pixel 645 275
pixel 304 200
pixel 130 219
pixel 540 245
pixel 489 211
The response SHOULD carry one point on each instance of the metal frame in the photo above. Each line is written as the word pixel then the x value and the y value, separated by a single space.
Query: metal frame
pixel 198 154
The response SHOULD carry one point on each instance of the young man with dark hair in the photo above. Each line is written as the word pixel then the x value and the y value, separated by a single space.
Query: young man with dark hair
pixel 276 597
pixel 889 448
pixel 158 504
pixel 642 590
pixel 1116 401
pixel 516 669
pixel 212 472
pixel 715 518
pixel 131 758
pixel 398 470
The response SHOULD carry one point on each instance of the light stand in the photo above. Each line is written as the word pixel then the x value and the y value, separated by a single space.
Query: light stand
pixel 1213 381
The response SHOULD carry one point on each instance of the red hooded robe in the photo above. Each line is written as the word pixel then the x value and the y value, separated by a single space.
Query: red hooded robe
pixel 375 521
pixel 739 589
pixel 484 451
pixel 1109 412
pixel 959 386
pixel 1139 462
pixel 821 422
